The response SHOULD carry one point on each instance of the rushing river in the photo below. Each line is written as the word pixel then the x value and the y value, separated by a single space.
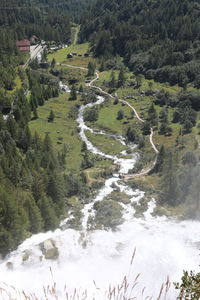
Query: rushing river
pixel 89 262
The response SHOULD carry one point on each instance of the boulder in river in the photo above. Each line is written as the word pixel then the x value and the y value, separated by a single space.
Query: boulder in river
pixel 26 255
pixel 9 265
pixel 49 249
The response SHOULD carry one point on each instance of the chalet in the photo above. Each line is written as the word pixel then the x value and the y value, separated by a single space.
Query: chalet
pixel 23 46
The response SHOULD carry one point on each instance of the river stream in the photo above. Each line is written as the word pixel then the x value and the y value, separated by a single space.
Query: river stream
pixel 88 262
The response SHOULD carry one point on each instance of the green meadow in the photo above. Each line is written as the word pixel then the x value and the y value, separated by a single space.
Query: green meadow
pixel 63 130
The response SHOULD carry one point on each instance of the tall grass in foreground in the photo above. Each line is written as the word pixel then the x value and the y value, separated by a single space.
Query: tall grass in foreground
pixel 123 291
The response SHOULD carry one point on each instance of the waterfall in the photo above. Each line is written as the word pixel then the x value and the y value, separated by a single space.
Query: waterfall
pixel 88 262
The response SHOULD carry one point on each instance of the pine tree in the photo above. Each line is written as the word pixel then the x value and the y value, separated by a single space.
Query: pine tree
pixel 55 189
pixel 73 95
pixel 112 82
pixel 139 79
pixel 91 69
pixel 120 114
pixel 160 160
pixel 35 113
pixel 121 79
pixel 47 144
pixel 51 116
pixel 11 126
pixel 47 212
pixel 187 126
pixel 146 128
pixel 152 115
pixel 102 67
pixel 34 215
pixel 53 63
pixel 81 89
pixel 38 186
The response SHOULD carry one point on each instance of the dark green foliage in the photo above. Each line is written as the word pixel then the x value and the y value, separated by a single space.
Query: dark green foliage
pixel 73 95
pixel 80 89
pixel 91 115
pixel 152 117
pixel 53 63
pixel 120 114
pixel 138 78
pixel 133 137
pixel 74 186
pixel 146 128
pixel 48 213
pixel 55 190
pixel 103 46
pixel 160 160
pixel 164 98
pixel 159 39
pixel 170 187
pixel 34 215
pixel 164 126
pixel 51 116
pixel 91 69
pixel 87 162
pixel 44 23
pixel 32 185
pixel 189 286
pixel 108 213
pixel 131 134
pixel 163 116
pixel 186 106
pixel 34 64
pixel 121 79
pixel 112 82
pixel 35 113
pixel 116 101
pixel 12 219
pixel 187 126
pixel 165 129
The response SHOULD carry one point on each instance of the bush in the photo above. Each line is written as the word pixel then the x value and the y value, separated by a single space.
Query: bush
pixel 51 116
pixel 108 213
pixel 120 114
pixel 189 286
pixel 91 115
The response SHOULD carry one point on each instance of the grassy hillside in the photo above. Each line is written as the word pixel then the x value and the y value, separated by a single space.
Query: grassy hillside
pixel 63 131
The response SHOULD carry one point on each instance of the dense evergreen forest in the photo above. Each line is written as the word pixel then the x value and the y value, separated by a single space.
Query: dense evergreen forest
pixel 159 39
pixel 32 183
pixel 155 39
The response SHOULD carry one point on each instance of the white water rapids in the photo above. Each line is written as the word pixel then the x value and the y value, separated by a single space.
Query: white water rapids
pixel 93 260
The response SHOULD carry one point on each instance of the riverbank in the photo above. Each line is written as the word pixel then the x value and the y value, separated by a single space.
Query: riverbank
pixel 141 98
pixel 119 218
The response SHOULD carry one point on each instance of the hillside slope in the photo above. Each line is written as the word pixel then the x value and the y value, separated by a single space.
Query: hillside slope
pixel 159 39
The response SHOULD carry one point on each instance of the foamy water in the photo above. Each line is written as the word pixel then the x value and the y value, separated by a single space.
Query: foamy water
pixel 163 248
pixel 93 260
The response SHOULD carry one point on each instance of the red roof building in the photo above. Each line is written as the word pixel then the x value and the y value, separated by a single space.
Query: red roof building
pixel 23 46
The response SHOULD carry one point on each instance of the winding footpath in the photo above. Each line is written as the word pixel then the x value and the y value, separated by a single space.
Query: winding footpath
pixel 90 84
